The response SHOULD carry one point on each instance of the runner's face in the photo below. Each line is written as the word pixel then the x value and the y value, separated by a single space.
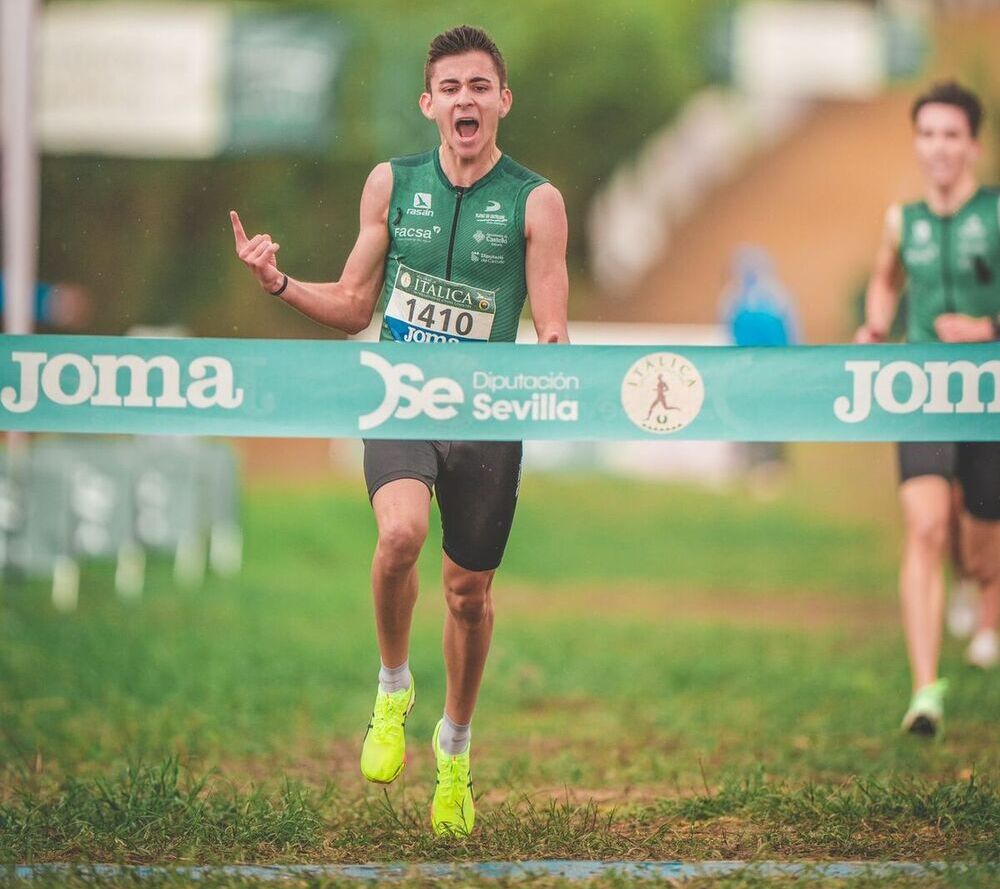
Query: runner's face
pixel 466 102
pixel 946 149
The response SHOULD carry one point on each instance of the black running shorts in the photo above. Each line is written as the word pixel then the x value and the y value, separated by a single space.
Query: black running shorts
pixel 974 464
pixel 476 483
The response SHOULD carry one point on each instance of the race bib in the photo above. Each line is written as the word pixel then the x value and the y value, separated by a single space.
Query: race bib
pixel 425 309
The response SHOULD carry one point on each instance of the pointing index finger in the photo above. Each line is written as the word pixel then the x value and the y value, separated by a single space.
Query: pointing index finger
pixel 240 235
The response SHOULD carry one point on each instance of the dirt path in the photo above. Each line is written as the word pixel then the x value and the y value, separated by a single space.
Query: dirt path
pixel 795 612
pixel 816 203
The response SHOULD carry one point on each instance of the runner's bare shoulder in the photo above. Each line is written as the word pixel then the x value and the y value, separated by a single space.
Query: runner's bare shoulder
pixel 377 191
pixel 893 231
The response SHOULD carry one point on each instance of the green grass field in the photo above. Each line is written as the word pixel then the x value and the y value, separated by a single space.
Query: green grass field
pixel 675 674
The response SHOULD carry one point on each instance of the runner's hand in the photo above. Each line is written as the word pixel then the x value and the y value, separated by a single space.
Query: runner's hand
pixel 867 336
pixel 956 328
pixel 258 254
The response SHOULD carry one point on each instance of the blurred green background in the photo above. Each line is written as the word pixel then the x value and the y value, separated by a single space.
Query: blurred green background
pixel 151 238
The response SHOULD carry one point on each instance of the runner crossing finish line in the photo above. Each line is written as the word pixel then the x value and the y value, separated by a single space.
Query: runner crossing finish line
pixel 498 391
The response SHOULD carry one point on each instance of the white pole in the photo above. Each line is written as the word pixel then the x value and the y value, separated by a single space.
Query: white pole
pixel 20 165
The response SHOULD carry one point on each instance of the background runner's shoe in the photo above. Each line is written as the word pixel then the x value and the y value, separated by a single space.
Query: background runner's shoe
pixel 963 609
pixel 925 715
pixel 383 753
pixel 453 811
pixel 984 649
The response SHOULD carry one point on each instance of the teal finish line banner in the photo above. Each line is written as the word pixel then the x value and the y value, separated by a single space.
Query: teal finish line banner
pixel 498 391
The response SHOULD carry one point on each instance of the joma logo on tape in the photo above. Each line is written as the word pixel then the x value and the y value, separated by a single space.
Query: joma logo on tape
pixel 927 388
pixel 210 382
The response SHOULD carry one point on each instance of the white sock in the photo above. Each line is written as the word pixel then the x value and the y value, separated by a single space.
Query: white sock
pixel 453 738
pixel 393 679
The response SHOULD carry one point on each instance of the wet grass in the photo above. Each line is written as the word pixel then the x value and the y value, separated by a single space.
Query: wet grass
pixel 629 710
pixel 161 813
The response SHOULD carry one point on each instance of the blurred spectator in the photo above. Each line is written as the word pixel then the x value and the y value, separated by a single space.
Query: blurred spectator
pixel 62 306
pixel 758 311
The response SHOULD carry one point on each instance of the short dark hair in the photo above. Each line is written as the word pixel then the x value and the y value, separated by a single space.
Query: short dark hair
pixel 464 38
pixel 950 92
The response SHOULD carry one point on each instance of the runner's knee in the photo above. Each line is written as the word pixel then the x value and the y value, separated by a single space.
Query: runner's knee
pixel 981 556
pixel 927 532
pixel 983 567
pixel 399 543
pixel 468 596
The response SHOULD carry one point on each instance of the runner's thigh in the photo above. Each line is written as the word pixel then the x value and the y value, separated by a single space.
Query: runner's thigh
pixel 477 490
pixel 917 458
pixel 388 459
pixel 979 473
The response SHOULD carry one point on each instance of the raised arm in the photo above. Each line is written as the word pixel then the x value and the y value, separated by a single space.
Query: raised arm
pixel 545 230
pixel 346 304
pixel 885 284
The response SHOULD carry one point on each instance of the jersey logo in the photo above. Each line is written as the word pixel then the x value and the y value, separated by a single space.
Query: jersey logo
pixel 489 258
pixel 922 231
pixel 491 207
pixel 494 239
pixel 421 205
pixel 973 228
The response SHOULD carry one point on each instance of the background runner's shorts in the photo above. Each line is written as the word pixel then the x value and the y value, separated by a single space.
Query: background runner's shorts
pixel 974 464
pixel 476 483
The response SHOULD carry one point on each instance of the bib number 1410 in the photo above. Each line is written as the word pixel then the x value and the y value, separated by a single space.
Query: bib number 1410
pixel 435 317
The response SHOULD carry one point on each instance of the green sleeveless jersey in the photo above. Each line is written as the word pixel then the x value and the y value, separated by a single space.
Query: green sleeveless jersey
pixel 952 262
pixel 454 271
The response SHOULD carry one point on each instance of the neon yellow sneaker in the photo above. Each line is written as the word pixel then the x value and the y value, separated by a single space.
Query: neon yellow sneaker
pixel 453 811
pixel 925 715
pixel 383 753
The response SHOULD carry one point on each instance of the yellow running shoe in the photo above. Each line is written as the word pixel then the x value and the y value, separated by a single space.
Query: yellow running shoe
pixel 383 753
pixel 453 812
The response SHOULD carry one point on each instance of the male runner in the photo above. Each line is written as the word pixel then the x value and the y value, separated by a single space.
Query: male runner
pixel 946 249
pixel 453 240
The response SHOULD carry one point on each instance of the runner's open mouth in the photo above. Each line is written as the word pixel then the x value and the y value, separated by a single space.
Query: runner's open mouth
pixel 467 127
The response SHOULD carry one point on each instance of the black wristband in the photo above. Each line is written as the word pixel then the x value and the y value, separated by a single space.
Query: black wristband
pixel 996 327
pixel 281 289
